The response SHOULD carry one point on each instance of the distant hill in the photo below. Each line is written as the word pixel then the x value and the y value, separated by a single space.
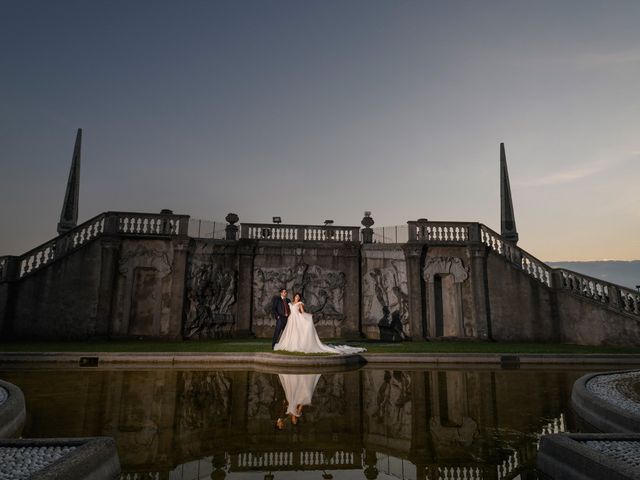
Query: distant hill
pixel 626 273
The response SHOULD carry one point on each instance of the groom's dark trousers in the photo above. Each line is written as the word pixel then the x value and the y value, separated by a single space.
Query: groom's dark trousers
pixel 280 310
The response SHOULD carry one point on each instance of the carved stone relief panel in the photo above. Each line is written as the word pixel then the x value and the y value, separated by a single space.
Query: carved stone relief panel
pixel 385 295
pixel 444 266
pixel 321 288
pixel 211 291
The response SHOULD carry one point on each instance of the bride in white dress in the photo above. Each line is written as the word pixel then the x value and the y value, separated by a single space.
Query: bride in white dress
pixel 300 334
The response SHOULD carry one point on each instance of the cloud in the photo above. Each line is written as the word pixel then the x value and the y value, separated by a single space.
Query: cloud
pixel 597 59
pixel 577 172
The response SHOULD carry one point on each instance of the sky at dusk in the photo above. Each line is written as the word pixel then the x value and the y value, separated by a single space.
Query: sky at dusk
pixel 324 109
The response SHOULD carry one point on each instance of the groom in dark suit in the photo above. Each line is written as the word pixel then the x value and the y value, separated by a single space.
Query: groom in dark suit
pixel 280 310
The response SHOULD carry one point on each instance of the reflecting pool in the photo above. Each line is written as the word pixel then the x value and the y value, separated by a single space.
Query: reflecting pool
pixel 369 423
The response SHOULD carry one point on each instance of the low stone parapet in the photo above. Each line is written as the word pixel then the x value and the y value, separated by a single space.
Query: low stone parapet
pixel 93 458
pixel 12 410
pixel 589 456
pixel 608 402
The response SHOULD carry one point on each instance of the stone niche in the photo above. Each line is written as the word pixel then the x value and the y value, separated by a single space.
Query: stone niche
pixel 326 276
pixel 448 292
pixel 210 292
pixel 385 299
pixel 144 289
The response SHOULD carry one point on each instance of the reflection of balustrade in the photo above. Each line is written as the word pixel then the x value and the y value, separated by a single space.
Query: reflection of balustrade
pixel 311 233
pixel 459 473
pixel 556 425
pixel 140 476
pixel 288 460
pixel 508 466
pixel 139 224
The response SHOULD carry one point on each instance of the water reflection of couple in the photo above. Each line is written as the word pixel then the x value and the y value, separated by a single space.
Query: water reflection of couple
pixel 298 390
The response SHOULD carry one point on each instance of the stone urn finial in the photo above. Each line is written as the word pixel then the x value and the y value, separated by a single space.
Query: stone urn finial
pixel 367 231
pixel 231 230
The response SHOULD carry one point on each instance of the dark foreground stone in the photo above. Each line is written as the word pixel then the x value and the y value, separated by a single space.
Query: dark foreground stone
pixel 93 458
pixel 589 456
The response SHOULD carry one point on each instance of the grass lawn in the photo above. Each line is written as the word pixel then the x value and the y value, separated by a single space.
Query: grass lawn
pixel 264 345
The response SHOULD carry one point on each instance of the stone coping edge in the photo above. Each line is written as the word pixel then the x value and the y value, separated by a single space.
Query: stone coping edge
pixel 281 360
pixel 598 413
pixel 13 412
pixel 563 455
pixel 94 458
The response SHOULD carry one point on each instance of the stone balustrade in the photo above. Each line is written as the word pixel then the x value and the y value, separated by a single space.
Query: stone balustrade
pixel 534 267
pixel 125 223
pixel 151 224
pixel 585 286
pixel 306 233
pixel 440 232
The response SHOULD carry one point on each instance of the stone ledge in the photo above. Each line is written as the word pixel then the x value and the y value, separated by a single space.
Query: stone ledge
pixel 265 359
pixel 578 456
pixel 603 414
pixel 12 411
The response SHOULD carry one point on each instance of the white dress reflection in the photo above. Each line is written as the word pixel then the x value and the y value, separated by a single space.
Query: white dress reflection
pixel 300 334
pixel 298 389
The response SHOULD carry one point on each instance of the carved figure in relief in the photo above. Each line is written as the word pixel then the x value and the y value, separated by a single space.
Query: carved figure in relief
pixel 211 291
pixel 386 298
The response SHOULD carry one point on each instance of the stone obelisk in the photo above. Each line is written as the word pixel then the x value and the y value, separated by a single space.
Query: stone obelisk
pixel 69 214
pixel 507 217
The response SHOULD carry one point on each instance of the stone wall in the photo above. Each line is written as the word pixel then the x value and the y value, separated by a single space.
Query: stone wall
pixel 149 285
pixel 111 287
pixel 521 308
pixel 111 278
pixel 585 322
pixel 60 301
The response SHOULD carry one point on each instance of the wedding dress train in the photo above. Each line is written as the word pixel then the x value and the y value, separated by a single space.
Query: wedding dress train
pixel 300 335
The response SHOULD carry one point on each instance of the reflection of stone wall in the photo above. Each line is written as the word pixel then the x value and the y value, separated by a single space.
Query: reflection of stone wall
pixel 164 418
pixel 384 291
pixel 388 409
pixel 211 289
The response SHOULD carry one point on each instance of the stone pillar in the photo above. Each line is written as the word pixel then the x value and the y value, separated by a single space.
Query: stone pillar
pixel 414 256
pixel 109 256
pixel 178 285
pixel 231 230
pixel 479 289
pixel 351 326
pixel 9 273
pixel 246 253
pixel 367 232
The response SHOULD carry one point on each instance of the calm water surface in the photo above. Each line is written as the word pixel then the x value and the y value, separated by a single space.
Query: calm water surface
pixel 368 423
